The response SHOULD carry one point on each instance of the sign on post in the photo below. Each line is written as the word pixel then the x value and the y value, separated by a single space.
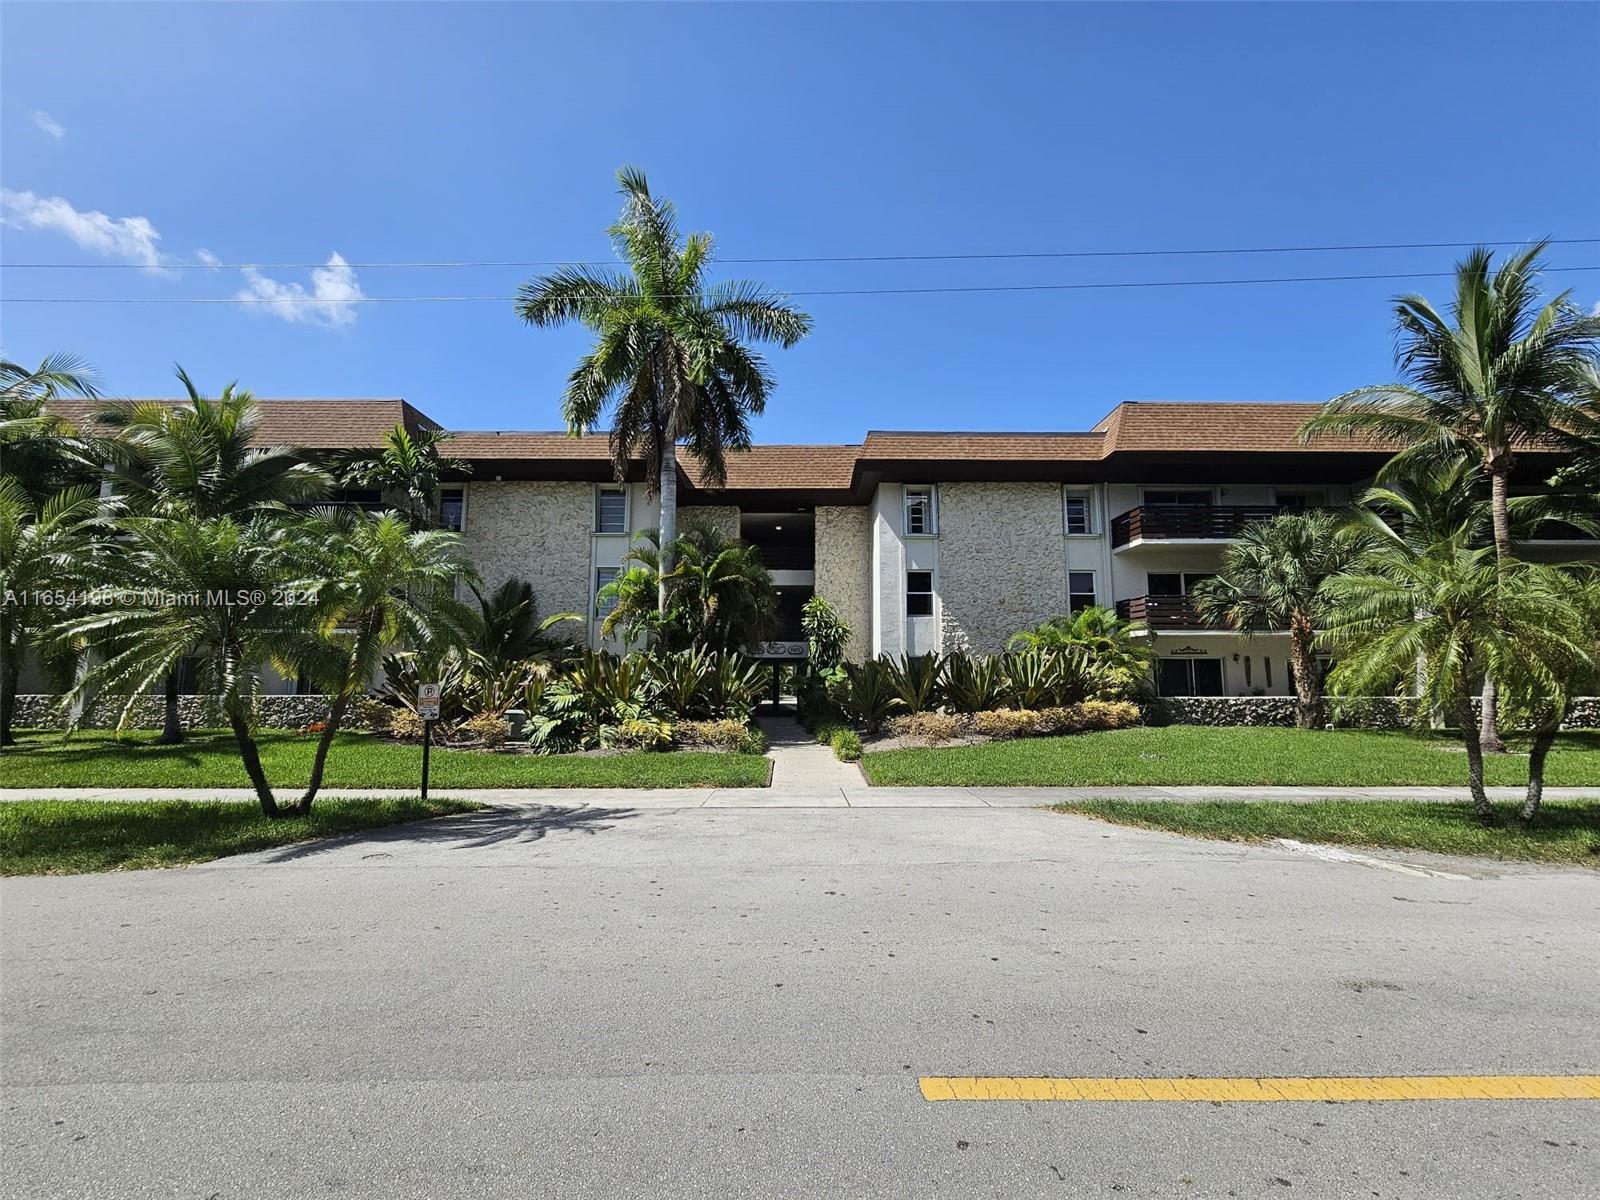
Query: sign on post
pixel 428 701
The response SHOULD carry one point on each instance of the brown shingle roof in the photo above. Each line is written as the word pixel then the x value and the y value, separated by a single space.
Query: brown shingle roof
pixel 512 444
pixel 1168 426
pixel 313 424
pixel 782 467
pixel 986 447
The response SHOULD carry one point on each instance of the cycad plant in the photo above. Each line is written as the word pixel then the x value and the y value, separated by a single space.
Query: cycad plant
pixel 671 361
pixel 1274 577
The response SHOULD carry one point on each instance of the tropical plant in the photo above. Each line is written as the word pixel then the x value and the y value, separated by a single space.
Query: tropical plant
pixel 1049 678
pixel 201 461
pixel 510 631
pixel 1275 577
pixel 682 680
pixel 670 359
pixel 915 680
pixel 827 634
pixel 39 448
pixel 1109 640
pixel 44 549
pixel 1499 373
pixel 734 689
pixel 867 693
pixel 408 467
pixel 377 583
pixel 720 596
pixel 1443 620
pixel 974 683
pixel 205 587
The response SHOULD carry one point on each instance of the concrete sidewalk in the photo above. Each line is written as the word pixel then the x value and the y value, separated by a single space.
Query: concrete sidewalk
pixel 821 796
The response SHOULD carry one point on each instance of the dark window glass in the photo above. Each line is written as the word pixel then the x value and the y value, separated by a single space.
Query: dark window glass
pixel 611 511
pixel 1077 513
pixel 1207 676
pixel 1164 583
pixel 1189 676
pixel 1080 590
pixel 603 576
pixel 919 593
pixel 1196 499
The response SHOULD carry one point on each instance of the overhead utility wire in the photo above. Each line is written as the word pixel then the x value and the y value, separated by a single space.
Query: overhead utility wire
pixel 902 291
pixel 830 258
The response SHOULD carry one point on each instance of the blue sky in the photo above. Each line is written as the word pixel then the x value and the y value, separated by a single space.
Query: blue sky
pixel 288 133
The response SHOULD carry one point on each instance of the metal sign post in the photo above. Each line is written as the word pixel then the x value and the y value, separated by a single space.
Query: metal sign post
pixel 428 710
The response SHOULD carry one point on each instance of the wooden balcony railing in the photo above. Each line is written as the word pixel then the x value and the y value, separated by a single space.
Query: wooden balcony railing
pixel 1192 522
pixel 1161 612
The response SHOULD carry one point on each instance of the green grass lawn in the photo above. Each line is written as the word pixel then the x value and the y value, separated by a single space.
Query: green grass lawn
pixel 358 760
pixel 1564 832
pixel 66 837
pixel 1197 755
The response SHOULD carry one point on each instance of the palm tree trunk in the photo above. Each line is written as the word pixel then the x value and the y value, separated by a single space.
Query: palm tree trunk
pixel 10 672
pixel 1469 738
pixel 669 518
pixel 1307 684
pixel 330 727
pixel 251 757
pixel 1540 750
pixel 171 722
pixel 1500 518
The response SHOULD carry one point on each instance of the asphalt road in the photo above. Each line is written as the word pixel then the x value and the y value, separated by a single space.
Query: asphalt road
pixel 728 1003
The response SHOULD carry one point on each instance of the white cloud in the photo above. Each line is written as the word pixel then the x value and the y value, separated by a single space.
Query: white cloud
pixel 48 123
pixel 131 238
pixel 330 302
pixel 208 258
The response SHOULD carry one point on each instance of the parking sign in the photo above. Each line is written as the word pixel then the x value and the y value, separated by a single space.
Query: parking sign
pixel 428 701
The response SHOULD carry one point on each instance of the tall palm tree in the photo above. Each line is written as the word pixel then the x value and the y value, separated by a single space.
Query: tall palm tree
pixel 1275 576
pixel 201 460
pixel 1494 375
pixel 378 583
pixel 407 465
pixel 669 361
pixel 43 548
pixel 39 448
pixel 1462 615
pixel 209 587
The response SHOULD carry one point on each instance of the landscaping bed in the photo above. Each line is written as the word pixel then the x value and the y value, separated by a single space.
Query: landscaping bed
pixel 1566 831
pixel 65 837
pixel 210 758
pixel 1189 755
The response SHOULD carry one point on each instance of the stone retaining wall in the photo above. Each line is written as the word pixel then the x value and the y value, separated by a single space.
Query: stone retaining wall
pixel 1376 712
pixel 272 712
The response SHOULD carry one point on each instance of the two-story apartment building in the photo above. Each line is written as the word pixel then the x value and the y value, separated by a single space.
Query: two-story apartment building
pixel 924 541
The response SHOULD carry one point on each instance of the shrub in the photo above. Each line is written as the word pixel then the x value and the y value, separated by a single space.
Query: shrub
pixel 915 681
pixel 973 683
pixel 827 635
pixel 722 734
pixel 1049 678
pixel 681 681
pixel 405 725
pixel 1006 723
pixel 753 742
pixel 640 733
pixel 926 726
pixel 734 688
pixel 867 693
pixel 1109 714
pixel 485 730
pixel 846 745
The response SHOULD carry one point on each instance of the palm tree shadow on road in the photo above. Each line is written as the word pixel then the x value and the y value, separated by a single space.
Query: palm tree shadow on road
pixel 469 831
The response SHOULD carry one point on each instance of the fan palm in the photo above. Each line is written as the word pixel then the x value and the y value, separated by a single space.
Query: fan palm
pixel 378 583
pixel 670 360
pixel 43 548
pixel 407 465
pixel 201 460
pixel 1275 576
pixel 1448 617
pixel 1495 375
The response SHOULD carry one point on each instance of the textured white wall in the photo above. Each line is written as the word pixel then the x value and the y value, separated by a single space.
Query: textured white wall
pixel 537 531
pixel 844 571
pixel 1001 557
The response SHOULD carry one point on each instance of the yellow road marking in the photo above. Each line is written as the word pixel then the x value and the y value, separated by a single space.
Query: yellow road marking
pixel 1255 1091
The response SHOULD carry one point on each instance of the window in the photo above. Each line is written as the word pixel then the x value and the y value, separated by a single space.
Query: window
pixel 1186 496
pixel 1080 590
pixel 1079 513
pixel 1301 499
pixel 1189 677
pixel 453 508
pixel 603 576
pixel 1173 583
pixel 1266 666
pixel 919 512
pixel 610 511
pixel 919 593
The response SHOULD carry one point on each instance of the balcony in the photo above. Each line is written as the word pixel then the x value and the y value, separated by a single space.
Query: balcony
pixel 1161 612
pixel 1186 522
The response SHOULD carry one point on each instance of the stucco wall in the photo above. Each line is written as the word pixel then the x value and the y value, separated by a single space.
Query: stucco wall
pixel 843 579
pixel 724 518
pixel 1002 562
pixel 539 532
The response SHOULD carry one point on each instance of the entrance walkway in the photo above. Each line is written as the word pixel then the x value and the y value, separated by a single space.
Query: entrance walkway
pixel 801 764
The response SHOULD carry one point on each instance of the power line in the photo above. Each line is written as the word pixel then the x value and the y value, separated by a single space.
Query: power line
pixel 889 291
pixel 796 259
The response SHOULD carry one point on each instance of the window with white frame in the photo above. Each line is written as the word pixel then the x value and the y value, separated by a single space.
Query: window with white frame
pixel 920 518
pixel 1186 497
pixel 603 576
pixel 610 510
pixel 919 593
pixel 1080 513
pixel 453 508
pixel 1080 591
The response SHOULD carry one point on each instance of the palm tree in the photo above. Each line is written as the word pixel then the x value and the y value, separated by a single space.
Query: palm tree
pixel 1497 374
pixel 378 583
pixel 43 548
pixel 508 626
pixel 669 360
pixel 1446 618
pixel 1109 639
pixel 41 449
pixel 719 594
pixel 201 460
pixel 407 465
pixel 210 587
pixel 1275 577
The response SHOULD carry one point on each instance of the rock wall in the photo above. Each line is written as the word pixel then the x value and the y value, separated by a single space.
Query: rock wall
pixel 844 571
pixel 1375 712
pixel 1002 559
pixel 37 711
pixel 537 531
